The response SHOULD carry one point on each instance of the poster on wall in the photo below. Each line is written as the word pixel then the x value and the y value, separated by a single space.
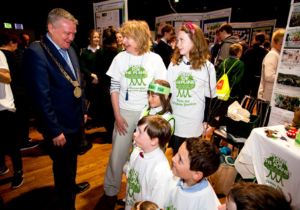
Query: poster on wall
pixel 211 25
pixel 267 27
pixel 209 20
pixel 213 20
pixel 110 13
pixel 242 31
pixel 286 91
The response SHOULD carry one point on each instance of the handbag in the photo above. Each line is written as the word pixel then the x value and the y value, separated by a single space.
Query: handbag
pixel 223 179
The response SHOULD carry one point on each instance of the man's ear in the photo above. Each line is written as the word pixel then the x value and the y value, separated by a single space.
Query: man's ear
pixel 197 175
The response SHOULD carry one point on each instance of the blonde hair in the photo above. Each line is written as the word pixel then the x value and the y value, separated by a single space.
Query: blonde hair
pixel 199 54
pixel 235 49
pixel 278 35
pixel 139 31
pixel 145 205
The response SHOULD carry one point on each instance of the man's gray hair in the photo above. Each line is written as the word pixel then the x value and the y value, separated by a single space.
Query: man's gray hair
pixel 58 14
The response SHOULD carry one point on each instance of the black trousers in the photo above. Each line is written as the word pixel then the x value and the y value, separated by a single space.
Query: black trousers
pixel 9 141
pixel 64 169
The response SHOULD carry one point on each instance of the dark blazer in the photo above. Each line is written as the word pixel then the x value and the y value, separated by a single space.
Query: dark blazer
pixel 165 51
pixel 52 93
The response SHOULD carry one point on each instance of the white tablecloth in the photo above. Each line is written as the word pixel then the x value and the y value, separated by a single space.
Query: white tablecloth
pixel 272 161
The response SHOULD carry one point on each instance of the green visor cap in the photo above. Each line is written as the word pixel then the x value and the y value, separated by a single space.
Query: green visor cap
pixel 156 88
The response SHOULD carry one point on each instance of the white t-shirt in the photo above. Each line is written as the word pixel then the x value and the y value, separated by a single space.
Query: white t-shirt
pixel 200 196
pixel 189 88
pixel 148 177
pixel 6 96
pixel 135 74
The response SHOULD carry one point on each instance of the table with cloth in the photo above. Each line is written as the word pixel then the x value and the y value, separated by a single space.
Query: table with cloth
pixel 272 160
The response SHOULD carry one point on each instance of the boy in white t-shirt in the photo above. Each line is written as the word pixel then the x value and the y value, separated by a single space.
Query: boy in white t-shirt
pixel 196 159
pixel 148 171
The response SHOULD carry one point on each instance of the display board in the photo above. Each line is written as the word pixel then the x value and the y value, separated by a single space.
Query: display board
pixel 205 21
pixel 286 91
pixel 246 31
pixel 110 13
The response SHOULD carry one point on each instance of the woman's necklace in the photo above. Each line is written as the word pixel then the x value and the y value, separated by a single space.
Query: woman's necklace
pixel 127 94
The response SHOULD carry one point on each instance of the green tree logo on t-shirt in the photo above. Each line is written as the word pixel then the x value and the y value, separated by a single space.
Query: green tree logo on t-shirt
pixel 184 83
pixel 133 186
pixel 136 74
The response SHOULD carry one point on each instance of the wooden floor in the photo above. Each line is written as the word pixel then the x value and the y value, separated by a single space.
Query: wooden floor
pixel 37 190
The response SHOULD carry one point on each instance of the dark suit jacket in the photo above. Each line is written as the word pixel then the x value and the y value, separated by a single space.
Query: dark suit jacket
pixel 165 51
pixel 52 93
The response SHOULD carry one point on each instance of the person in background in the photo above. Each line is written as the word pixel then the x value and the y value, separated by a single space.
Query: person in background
pixel 120 43
pixel 193 79
pixel 215 47
pixel 253 58
pixel 195 161
pixel 9 138
pixel 88 68
pixel 148 170
pixel 250 196
pixel 267 45
pixel 227 38
pixel 269 66
pixel 234 69
pixel 54 82
pixel 131 73
pixel 104 57
pixel 156 41
pixel 163 48
pixel 145 205
pixel 18 85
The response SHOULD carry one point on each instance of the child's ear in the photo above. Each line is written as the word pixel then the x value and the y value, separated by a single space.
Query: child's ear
pixel 197 175
pixel 154 141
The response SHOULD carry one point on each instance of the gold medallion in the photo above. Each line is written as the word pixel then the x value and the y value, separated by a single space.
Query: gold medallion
pixel 77 92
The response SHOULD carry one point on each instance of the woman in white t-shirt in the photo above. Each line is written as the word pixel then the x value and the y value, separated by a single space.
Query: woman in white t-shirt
pixel 131 73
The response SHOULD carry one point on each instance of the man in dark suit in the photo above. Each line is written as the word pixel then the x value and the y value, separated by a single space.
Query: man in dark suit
pixel 163 48
pixel 55 85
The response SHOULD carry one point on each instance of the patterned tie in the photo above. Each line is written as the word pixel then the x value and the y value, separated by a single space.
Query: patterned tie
pixel 65 55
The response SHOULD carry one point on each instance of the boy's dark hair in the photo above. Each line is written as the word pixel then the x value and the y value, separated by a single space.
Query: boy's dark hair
pixel 157 127
pixel 260 38
pixel 166 29
pixel 249 196
pixel 6 37
pixel 204 156
pixel 109 37
pixel 226 27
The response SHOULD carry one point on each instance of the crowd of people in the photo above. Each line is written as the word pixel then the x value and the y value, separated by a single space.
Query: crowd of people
pixel 149 96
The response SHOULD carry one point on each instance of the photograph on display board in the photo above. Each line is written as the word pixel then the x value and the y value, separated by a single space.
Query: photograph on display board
pixel 292 39
pixel 243 34
pixel 290 60
pixel 267 30
pixel 210 26
pixel 295 17
pixel 290 80
pixel 286 102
